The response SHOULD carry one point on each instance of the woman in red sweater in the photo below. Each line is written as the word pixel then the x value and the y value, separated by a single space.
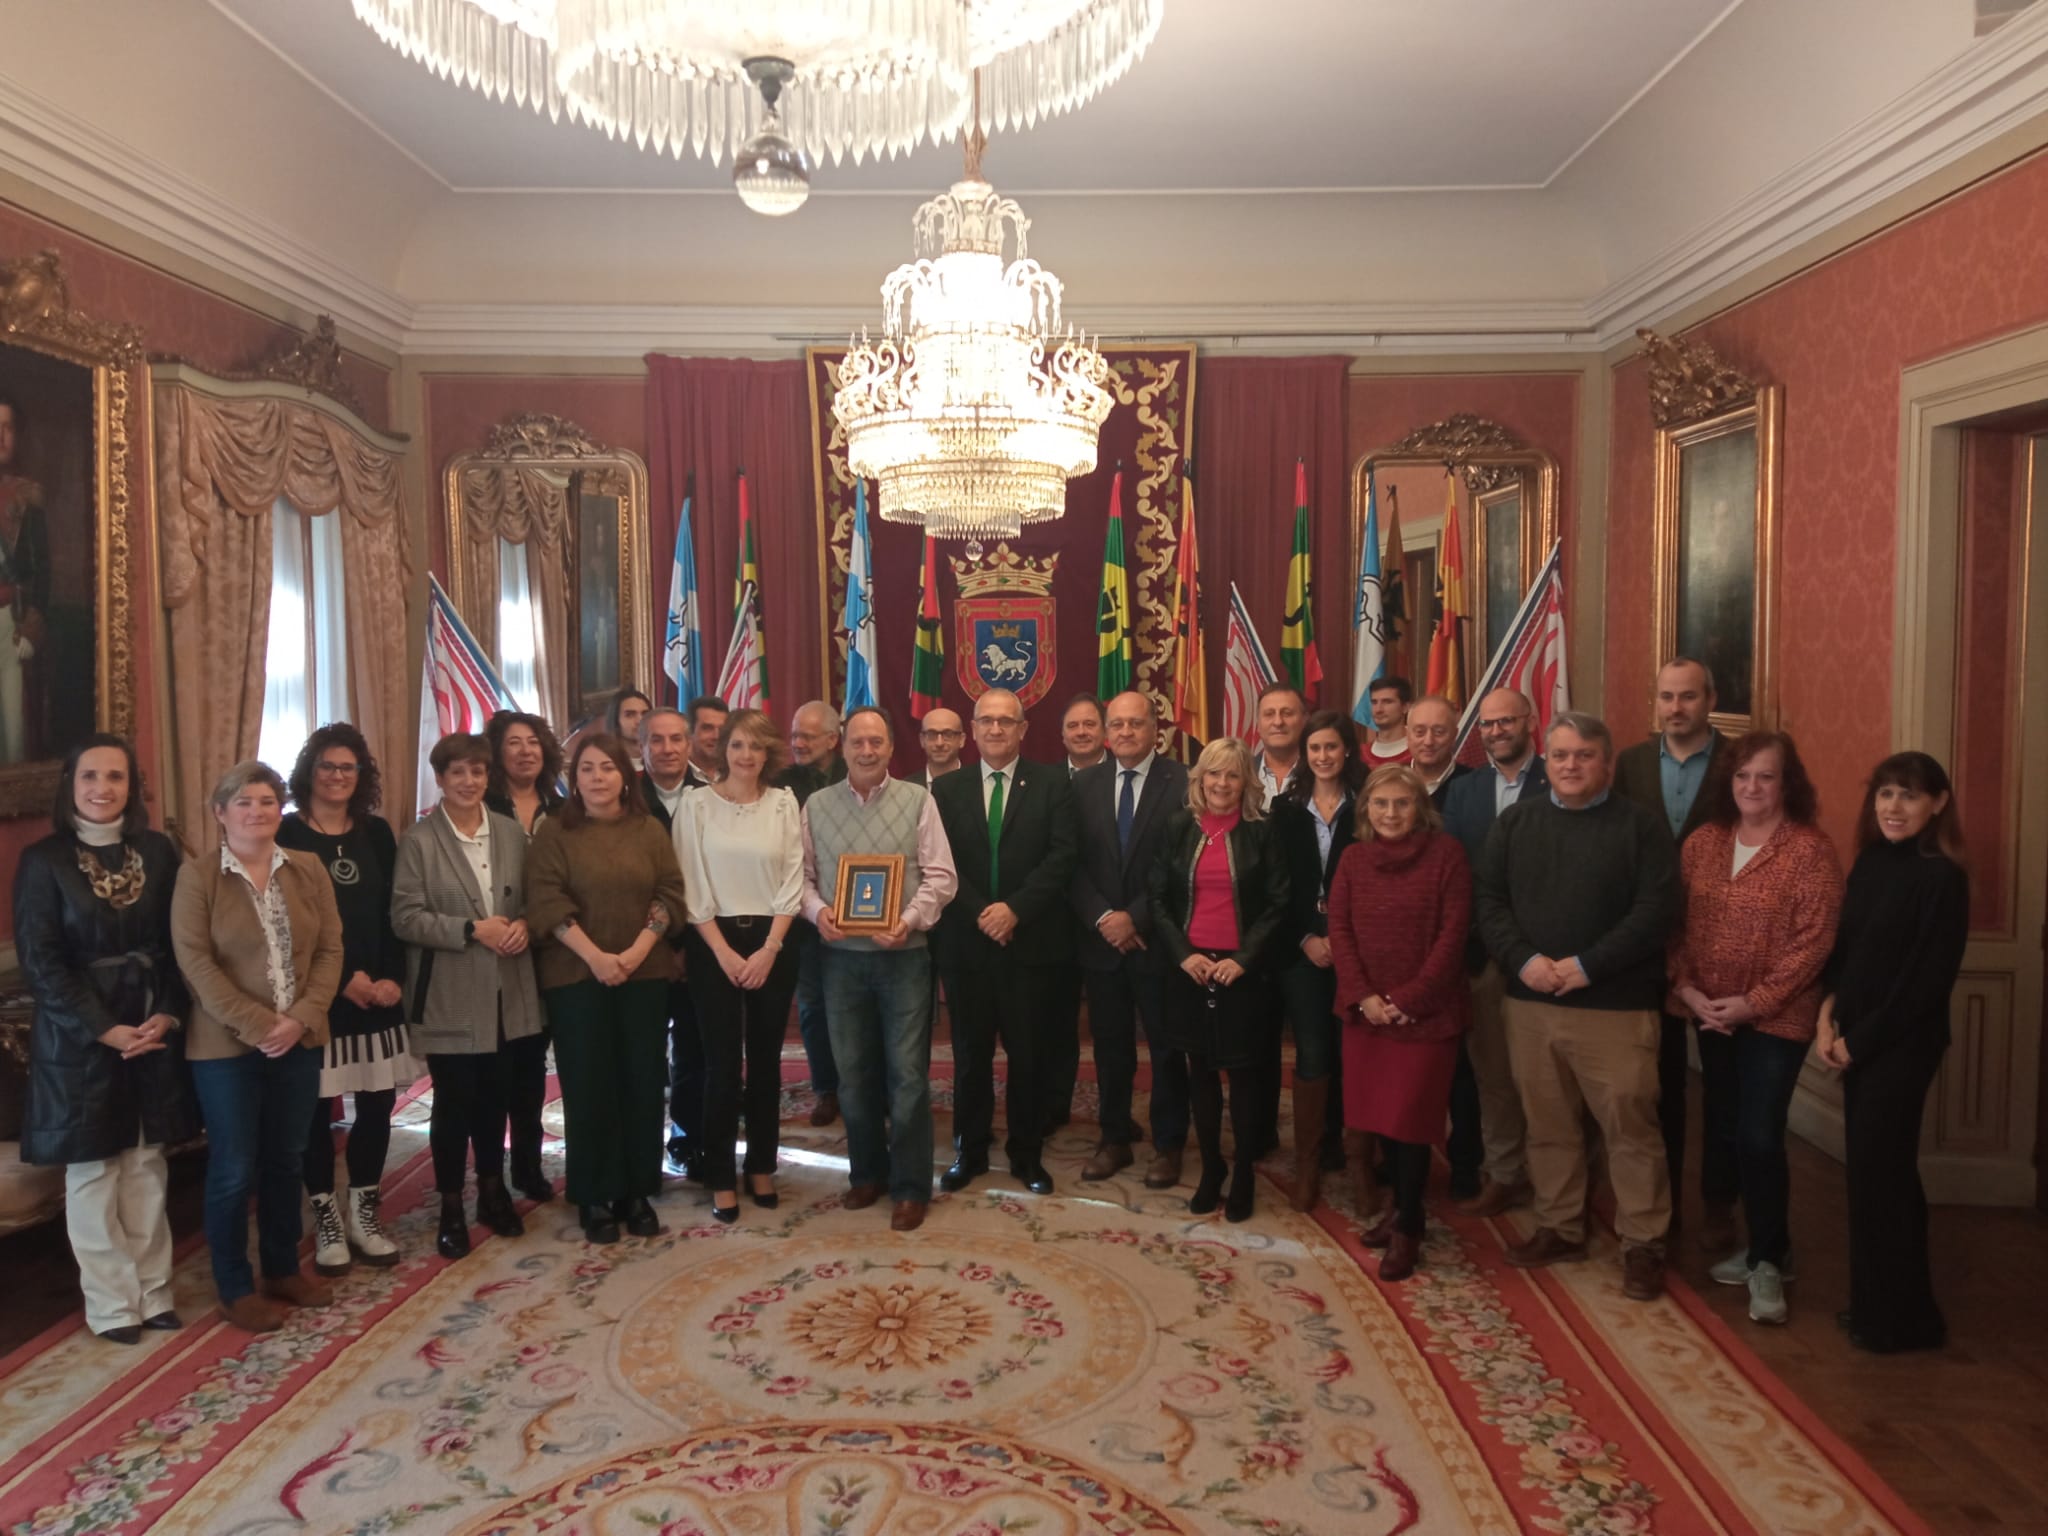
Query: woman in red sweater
pixel 1763 891
pixel 1400 908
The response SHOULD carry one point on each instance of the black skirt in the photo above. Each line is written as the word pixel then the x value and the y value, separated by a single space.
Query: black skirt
pixel 1221 1027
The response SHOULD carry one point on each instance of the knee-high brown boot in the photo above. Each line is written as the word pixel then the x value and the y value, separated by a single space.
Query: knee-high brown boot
pixel 1311 1103
pixel 1371 1197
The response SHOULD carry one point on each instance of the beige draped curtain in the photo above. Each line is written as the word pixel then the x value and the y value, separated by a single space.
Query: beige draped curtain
pixel 525 506
pixel 222 463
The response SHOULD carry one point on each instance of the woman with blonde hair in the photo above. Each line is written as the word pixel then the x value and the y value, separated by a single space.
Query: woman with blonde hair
pixel 740 843
pixel 1400 912
pixel 1219 907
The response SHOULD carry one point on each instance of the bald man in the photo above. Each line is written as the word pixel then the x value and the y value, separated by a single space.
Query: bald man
pixel 941 735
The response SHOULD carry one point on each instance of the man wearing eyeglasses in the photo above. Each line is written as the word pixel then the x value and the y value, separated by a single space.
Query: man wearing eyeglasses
pixel 1004 937
pixel 941 735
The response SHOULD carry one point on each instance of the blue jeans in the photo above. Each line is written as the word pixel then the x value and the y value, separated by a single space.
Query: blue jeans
pixel 880 1005
pixel 1309 994
pixel 811 1012
pixel 256 1110
pixel 1747 1080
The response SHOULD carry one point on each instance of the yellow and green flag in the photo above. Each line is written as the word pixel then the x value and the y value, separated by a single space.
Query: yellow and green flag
pixel 1113 613
pixel 1298 658
pixel 928 660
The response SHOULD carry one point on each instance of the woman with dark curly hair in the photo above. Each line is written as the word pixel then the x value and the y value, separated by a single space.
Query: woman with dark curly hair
pixel 622 718
pixel 336 789
pixel 526 762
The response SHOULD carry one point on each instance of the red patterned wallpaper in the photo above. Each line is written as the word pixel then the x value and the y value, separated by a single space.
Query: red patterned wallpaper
pixel 1837 337
pixel 1993 561
pixel 177 318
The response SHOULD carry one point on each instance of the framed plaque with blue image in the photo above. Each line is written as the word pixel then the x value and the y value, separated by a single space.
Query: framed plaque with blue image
pixel 870 895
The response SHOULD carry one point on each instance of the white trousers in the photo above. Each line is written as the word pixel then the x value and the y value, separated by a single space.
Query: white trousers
pixel 121 1236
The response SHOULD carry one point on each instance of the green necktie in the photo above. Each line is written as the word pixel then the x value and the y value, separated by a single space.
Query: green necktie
pixel 995 828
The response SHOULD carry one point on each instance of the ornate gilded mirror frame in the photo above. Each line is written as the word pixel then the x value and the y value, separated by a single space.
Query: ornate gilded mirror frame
pixel 1716 524
pixel 66 379
pixel 1513 489
pixel 523 455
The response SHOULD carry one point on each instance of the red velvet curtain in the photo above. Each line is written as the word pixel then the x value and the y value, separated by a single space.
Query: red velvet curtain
pixel 713 417
pixel 1254 416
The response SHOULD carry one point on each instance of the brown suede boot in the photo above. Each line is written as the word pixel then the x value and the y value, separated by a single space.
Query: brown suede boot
pixel 1311 1103
pixel 1371 1198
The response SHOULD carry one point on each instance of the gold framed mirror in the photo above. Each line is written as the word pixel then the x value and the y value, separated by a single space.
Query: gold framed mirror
pixel 1506 494
pixel 547 533
pixel 1716 525
pixel 66 656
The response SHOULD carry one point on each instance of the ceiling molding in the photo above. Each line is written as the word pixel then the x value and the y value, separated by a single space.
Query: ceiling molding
pixel 1991 89
pixel 62 153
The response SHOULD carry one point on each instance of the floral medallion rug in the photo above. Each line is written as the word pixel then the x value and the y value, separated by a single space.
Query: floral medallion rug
pixel 1094 1361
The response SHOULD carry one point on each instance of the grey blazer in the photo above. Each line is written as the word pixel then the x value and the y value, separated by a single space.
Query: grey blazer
pixel 454 990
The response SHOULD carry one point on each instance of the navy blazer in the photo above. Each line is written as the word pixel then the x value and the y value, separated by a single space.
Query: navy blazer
pixel 1308 872
pixel 1035 867
pixel 1468 813
pixel 1106 880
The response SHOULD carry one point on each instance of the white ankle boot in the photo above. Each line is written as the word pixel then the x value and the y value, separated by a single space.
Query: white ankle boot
pixel 330 1246
pixel 365 1232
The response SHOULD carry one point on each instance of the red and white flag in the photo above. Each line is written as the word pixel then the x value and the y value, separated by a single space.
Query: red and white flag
pixel 459 688
pixel 1246 672
pixel 1531 656
pixel 743 680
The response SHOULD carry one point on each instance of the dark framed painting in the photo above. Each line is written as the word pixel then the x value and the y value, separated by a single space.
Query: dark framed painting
pixel 66 663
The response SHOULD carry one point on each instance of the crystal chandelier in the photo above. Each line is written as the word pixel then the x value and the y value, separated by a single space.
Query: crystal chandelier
pixel 972 410
pixel 865 77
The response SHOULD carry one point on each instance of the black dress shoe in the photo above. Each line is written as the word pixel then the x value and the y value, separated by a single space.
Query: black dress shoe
pixel 963 1173
pixel 637 1216
pixel 726 1215
pixel 598 1225
pixel 494 1207
pixel 451 1240
pixel 1033 1176
pixel 127 1333
pixel 528 1179
pixel 164 1322
pixel 767 1202
pixel 1237 1204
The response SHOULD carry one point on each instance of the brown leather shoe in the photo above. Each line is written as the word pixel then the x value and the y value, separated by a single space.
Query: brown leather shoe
pixel 1110 1159
pixel 1642 1274
pixel 1495 1199
pixel 1165 1170
pixel 861 1196
pixel 1717 1227
pixel 826 1110
pixel 1546 1247
pixel 299 1291
pixel 253 1314
pixel 1380 1233
pixel 908 1216
pixel 1402 1254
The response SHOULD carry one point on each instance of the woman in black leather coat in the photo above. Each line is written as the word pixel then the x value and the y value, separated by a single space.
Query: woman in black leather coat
pixel 108 1088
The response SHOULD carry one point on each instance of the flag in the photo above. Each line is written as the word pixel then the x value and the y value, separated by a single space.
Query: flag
pixel 1113 610
pixel 928 659
pixel 1393 568
pixel 682 654
pixel 1298 627
pixel 1531 657
pixel 743 680
pixel 459 688
pixel 1447 646
pixel 746 602
pixel 1190 679
pixel 1246 672
pixel 1368 613
pixel 861 670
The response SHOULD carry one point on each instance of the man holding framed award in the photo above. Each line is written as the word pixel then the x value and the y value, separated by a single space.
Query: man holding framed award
pixel 876 844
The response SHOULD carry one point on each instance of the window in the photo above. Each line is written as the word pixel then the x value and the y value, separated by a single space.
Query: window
pixel 518 627
pixel 305 664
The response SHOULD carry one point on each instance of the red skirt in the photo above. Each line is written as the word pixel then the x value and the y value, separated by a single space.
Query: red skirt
pixel 1397 1088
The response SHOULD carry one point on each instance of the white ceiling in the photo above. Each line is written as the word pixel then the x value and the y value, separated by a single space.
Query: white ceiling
pixel 1283 94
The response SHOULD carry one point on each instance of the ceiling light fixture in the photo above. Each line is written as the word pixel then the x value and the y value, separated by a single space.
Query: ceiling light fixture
pixel 973 409
pixel 772 175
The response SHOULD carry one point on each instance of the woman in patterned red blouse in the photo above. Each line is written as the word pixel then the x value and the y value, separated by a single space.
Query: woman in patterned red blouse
pixel 1763 890
pixel 1400 912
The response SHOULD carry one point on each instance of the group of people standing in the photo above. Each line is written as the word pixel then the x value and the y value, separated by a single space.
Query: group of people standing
pixel 1511 953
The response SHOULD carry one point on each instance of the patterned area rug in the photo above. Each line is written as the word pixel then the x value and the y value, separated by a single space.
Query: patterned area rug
pixel 1094 1361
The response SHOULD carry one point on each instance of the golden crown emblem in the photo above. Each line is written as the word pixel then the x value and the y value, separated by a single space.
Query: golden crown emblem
pixel 1003 570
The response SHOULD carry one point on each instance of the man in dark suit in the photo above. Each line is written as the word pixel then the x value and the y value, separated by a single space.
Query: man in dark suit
pixel 665 744
pixel 1487 1128
pixel 1005 936
pixel 706 714
pixel 1082 734
pixel 1122 805
pixel 814 763
pixel 1665 774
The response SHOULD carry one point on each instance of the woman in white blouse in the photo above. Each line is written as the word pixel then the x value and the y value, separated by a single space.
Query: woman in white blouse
pixel 740 843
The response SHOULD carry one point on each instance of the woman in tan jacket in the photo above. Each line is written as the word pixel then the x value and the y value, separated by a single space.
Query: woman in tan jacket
pixel 258 940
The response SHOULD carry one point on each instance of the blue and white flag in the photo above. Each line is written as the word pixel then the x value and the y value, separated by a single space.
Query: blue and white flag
pixel 860 609
pixel 1369 631
pixel 682 656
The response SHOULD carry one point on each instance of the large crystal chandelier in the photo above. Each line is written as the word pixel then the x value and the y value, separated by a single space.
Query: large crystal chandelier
pixel 864 77
pixel 973 409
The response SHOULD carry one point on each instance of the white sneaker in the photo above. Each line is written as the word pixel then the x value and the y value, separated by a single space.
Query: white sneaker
pixel 365 1232
pixel 1766 1295
pixel 330 1247
pixel 1735 1270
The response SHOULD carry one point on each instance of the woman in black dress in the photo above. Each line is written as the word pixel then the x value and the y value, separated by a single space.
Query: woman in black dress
pixel 107 1089
pixel 336 789
pixel 1884 1023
